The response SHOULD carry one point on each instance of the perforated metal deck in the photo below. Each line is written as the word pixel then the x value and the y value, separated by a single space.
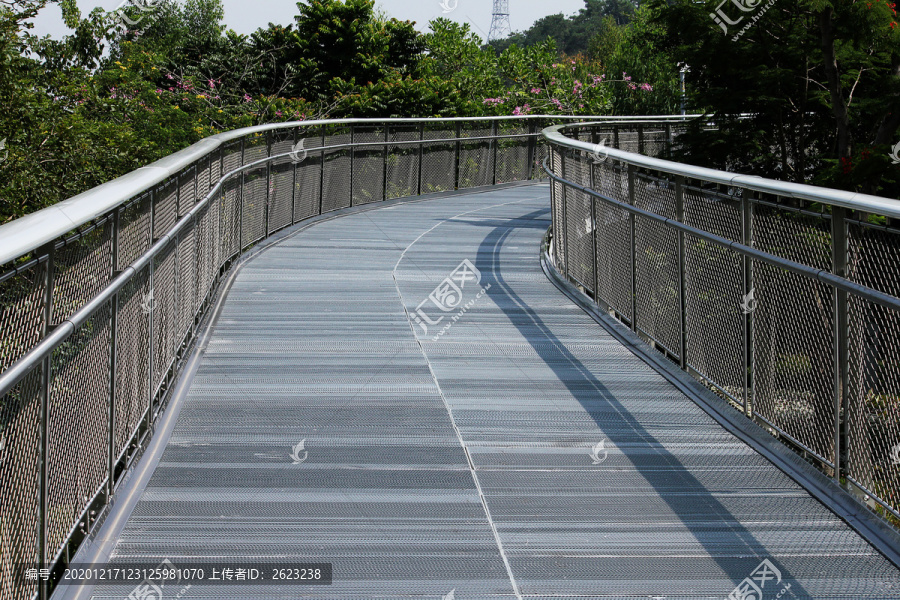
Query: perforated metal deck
pixel 523 452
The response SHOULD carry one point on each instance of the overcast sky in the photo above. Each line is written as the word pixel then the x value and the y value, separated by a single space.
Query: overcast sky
pixel 245 16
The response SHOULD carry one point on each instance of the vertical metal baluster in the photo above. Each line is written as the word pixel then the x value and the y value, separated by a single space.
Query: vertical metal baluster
pixel 748 322
pixel 384 171
pixel 529 161
pixel 840 244
pixel 46 379
pixel 640 139
pixel 565 221
pixel 632 225
pixel 294 179
pixel 494 145
pixel 682 271
pixel 352 159
pixel 268 185
pixel 421 157
pixel 241 207
pixel 322 174
pixel 457 156
pixel 113 360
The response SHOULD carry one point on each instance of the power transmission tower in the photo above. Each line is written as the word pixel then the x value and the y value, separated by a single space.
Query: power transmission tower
pixel 500 24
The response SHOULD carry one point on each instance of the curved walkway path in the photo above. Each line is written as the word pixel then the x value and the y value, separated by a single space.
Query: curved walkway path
pixel 521 452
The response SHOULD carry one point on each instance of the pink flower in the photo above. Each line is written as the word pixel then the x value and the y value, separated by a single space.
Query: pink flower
pixel 646 87
pixel 535 90
pixel 247 98
pixel 212 84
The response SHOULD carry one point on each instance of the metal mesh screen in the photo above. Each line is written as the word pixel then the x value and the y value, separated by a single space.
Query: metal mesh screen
pixel 716 324
pixel 132 358
pixel 614 241
pixel 579 237
pixel 78 425
pixel 253 200
pixel 281 194
pixel 793 330
pixel 438 161
pixel 308 186
pixel 403 162
pixel 368 166
pixel 336 180
pixel 20 486
pixel 21 312
pixel 82 268
pixel 512 154
pixel 656 265
pixel 476 159
pixel 134 231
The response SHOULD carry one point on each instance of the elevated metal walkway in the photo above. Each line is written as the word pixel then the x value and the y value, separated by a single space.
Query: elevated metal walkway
pixel 514 449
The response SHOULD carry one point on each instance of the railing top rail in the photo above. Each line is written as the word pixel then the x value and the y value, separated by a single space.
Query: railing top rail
pixel 850 200
pixel 27 233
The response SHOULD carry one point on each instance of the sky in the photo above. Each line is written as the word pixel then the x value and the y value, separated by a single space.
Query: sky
pixel 245 16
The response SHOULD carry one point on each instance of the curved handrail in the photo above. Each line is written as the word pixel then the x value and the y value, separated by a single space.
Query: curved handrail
pixel 31 231
pixel 851 200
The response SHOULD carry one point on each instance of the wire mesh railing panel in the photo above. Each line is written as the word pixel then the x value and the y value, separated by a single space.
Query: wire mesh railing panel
pixel 165 207
pixel 134 232
pixel 512 154
pixel 78 425
pixel 403 162
pixel 714 292
pixel 281 194
pixel 873 405
pixel 204 174
pixel 187 190
pixel 579 225
pixel 132 357
pixel 230 217
pixel 438 161
pixel 20 483
pixel 81 269
pixel 476 158
pixel 204 253
pixel 308 187
pixel 715 324
pixel 164 322
pixel 186 282
pixel 557 196
pixel 281 141
pixel 336 177
pixel 614 243
pixel 793 330
pixel 657 272
pixel 253 201
pixel 231 156
pixel 256 147
pixel 22 301
pixel 368 166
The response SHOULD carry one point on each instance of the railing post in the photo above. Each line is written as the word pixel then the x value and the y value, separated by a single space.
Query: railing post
pixel 113 355
pixel 294 180
pixel 421 156
pixel 565 216
pixel 840 236
pixel 682 271
pixel 46 379
pixel 494 144
pixel 322 174
pixel 668 152
pixel 241 206
pixel 632 227
pixel 457 156
pixel 384 172
pixel 352 159
pixel 531 151
pixel 594 266
pixel 640 139
pixel 268 189
pixel 747 267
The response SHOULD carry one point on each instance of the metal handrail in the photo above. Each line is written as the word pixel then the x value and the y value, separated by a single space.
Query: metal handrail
pixel 850 200
pixel 31 231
